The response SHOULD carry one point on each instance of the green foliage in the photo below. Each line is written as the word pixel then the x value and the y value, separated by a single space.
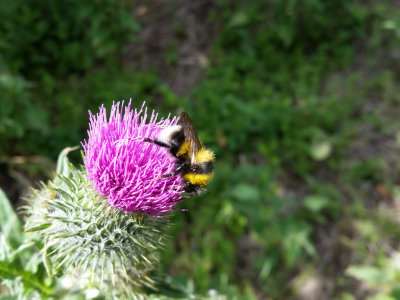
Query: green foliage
pixel 20 268
pixel 43 41
pixel 10 224
pixel 63 37
pixel 15 108
pixel 382 272
pixel 265 77
pixel 266 105
pixel 260 103
pixel 284 102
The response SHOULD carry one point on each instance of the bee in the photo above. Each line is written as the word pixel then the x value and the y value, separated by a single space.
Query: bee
pixel 193 162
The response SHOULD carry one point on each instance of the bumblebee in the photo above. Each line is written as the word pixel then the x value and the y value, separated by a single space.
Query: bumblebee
pixel 194 162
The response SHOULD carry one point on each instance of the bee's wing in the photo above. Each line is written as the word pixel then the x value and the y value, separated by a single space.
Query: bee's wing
pixel 190 133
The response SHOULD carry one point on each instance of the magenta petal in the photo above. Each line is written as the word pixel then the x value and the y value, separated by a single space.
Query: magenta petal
pixel 124 168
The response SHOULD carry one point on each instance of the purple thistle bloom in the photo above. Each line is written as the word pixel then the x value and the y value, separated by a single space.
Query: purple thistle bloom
pixel 124 168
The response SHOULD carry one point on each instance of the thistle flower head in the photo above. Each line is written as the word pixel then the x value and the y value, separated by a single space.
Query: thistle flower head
pixel 124 168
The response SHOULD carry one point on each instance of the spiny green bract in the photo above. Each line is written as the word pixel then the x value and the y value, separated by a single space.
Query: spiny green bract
pixel 84 235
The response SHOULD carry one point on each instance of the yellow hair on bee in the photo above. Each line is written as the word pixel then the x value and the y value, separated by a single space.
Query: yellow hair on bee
pixel 198 179
pixel 193 162
pixel 204 156
pixel 183 149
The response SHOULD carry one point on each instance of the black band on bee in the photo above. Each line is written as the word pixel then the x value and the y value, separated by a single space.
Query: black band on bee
pixel 191 189
pixel 204 168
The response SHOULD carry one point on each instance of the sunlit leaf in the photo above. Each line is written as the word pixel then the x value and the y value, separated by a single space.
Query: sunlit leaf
pixel 62 161
pixel 321 151
pixel 315 203
pixel 9 223
pixel 245 192
pixel 370 274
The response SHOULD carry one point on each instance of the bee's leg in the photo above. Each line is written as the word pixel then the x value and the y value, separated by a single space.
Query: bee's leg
pixel 191 190
pixel 161 144
pixel 178 169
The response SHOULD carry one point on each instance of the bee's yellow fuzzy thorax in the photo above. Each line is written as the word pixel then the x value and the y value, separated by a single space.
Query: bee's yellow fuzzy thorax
pixel 204 156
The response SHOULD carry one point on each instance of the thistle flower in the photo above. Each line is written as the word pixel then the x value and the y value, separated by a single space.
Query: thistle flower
pixel 126 170
pixel 115 247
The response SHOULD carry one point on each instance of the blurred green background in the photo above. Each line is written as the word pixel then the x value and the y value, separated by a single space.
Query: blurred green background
pixel 299 100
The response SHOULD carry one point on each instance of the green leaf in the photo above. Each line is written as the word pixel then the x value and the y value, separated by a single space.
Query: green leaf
pixel 9 223
pixel 267 268
pixel 321 151
pixel 297 240
pixel 14 269
pixel 9 297
pixel 370 274
pixel 239 19
pixel 315 203
pixel 168 286
pixel 245 192
pixel 382 297
pixel 63 162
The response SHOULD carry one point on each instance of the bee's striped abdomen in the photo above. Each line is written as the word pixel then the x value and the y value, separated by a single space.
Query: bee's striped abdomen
pixel 204 168
pixel 200 180
pixel 201 169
